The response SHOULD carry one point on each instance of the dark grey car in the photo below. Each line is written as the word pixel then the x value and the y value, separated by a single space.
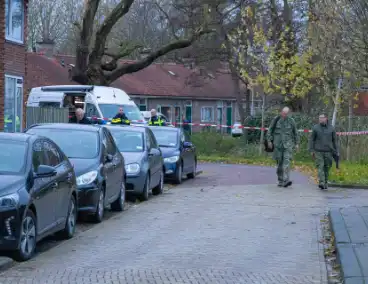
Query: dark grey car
pixel 144 164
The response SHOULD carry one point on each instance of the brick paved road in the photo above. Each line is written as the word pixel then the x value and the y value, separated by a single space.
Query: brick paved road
pixel 209 230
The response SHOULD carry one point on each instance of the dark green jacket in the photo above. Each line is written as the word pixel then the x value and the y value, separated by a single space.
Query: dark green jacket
pixel 283 133
pixel 323 139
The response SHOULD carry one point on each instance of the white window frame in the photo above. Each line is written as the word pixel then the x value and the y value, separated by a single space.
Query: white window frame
pixel 15 97
pixel 180 113
pixel 170 107
pixel 144 103
pixel 9 37
pixel 202 114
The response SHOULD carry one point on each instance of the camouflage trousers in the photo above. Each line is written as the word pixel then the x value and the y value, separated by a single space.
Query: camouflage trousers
pixel 283 159
pixel 323 164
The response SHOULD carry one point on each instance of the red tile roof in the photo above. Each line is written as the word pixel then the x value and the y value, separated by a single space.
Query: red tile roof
pixel 154 80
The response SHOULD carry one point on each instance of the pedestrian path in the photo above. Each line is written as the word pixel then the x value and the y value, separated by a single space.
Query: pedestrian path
pixel 350 229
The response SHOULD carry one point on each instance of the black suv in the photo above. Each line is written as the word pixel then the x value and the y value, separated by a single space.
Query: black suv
pixel 97 162
pixel 38 193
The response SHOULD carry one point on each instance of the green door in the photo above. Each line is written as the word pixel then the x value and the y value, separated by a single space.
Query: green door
pixel 219 118
pixel 229 116
pixel 188 116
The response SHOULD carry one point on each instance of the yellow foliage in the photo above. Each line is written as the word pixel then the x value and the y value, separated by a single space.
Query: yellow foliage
pixel 273 66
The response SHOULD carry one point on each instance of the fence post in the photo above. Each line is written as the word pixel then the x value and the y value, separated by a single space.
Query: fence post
pixel 348 157
pixel 262 124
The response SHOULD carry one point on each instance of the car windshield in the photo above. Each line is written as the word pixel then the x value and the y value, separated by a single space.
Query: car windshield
pixel 131 111
pixel 74 143
pixel 128 141
pixel 165 138
pixel 12 157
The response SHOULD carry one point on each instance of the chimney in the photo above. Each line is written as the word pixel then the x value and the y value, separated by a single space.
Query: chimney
pixel 202 71
pixel 188 63
pixel 46 47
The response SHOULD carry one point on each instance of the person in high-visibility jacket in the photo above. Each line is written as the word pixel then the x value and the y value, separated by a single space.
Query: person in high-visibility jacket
pixel 120 118
pixel 155 119
pixel 8 122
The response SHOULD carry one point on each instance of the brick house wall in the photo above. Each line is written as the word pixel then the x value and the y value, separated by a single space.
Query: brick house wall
pixel 2 55
pixel 362 104
pixel 13 61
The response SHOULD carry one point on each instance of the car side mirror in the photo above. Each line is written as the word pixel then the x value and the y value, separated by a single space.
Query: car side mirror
pixel 109 158
pixel 152 152
pixel 187 145
pixel 45 171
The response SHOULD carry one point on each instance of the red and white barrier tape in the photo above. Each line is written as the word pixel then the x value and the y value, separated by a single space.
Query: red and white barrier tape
pixel 351 133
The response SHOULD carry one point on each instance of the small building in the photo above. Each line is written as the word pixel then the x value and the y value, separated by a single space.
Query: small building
pixel 172 89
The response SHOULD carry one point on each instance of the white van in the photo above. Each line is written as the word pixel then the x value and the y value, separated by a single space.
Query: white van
pixel 97 101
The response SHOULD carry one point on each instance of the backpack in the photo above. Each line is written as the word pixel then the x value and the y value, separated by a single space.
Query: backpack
pixel 266 148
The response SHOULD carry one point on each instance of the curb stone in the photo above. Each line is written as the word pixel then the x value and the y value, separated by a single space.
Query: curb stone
pixel 349 186
pixel 350 245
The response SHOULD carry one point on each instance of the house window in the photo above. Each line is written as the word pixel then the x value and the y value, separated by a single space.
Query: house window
pixel 14 20
pixel 177 114
pixel 143 104
pixel 166 111
pixel 13 104
pixel 207 114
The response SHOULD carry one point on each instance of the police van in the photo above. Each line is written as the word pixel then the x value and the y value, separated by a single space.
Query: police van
pixel 98 102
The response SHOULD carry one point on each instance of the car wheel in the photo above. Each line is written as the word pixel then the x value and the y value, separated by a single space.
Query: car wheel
pixel 118 204
pixel 27 242
pixel 71 221
pixel 145 194
pixel 178 174
pixel 193 174
pixel 100 210
pixel 159 189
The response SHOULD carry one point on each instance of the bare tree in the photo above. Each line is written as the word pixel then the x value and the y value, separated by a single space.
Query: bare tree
pixel 51 21
pixel 96 64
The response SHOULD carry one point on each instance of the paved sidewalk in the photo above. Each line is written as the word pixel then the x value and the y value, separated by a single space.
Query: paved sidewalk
pixel 350 228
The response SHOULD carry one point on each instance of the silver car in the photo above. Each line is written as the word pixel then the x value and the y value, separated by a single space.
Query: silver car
pixel 144 164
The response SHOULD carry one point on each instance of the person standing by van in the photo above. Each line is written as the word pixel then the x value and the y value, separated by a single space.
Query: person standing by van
pixel 80 117
pixel 120 118
pixel 155 119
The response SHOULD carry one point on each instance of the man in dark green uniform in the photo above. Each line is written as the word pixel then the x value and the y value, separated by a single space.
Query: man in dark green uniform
pixel 323 146
pixel 283 136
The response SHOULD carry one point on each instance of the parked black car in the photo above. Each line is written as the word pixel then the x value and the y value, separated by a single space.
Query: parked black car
pixel 38 193
pixel 178 151
pixel 143 160
pixel 97 162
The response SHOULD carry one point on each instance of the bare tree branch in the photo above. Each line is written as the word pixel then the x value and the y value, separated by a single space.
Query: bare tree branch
pixel 143 63
pixel 101 35
pixel 168 19
pixel 115 57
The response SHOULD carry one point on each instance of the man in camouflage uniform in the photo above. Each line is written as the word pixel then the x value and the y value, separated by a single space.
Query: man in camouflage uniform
pixel 283 136
pixel 323 146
